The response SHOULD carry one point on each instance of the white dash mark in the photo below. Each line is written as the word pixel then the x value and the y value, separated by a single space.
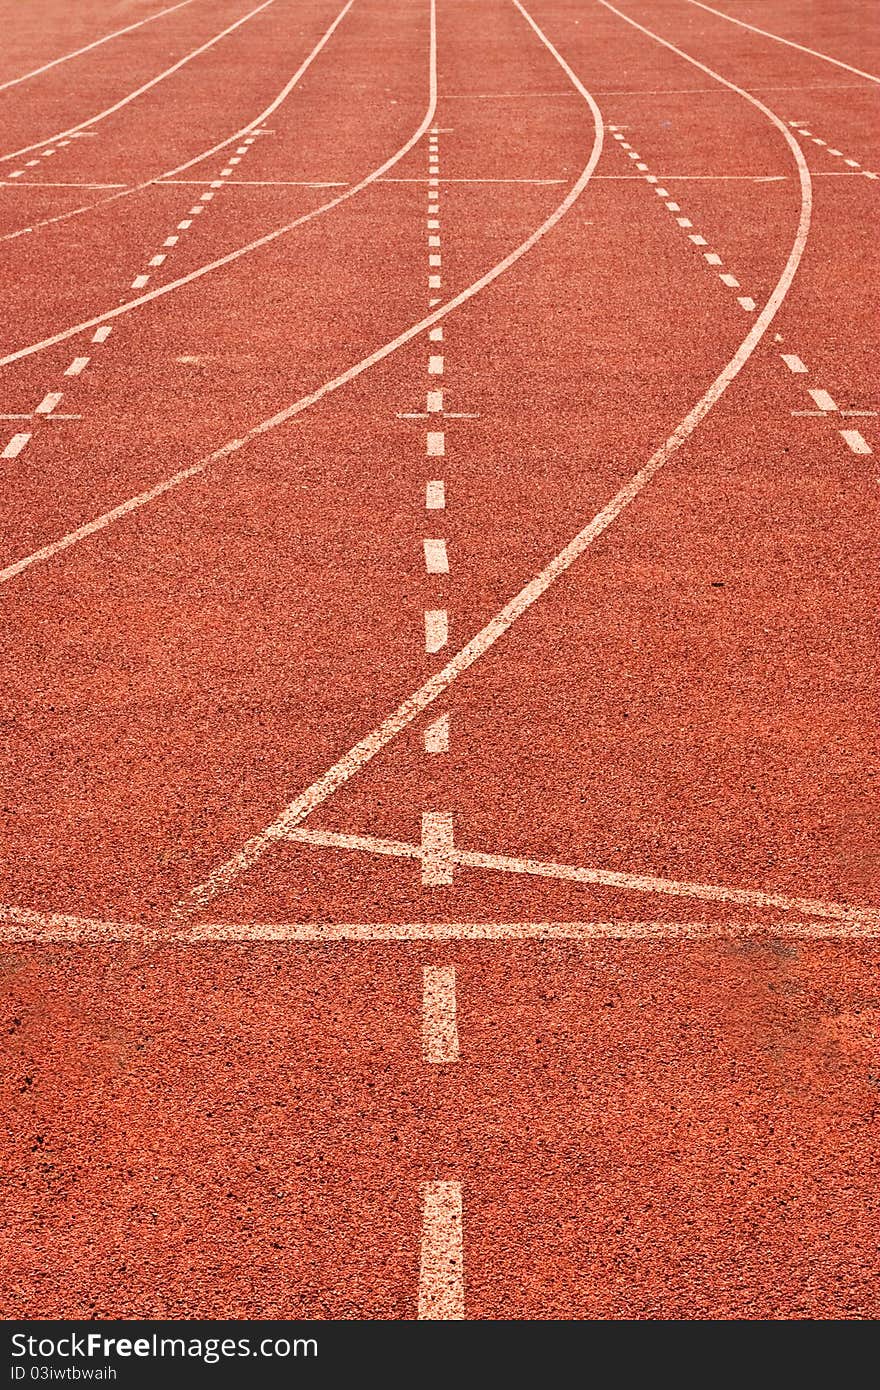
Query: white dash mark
pixel 101 334
pixel 435 365
pixel 817 141
pixel 437 848
pixel 434 282
pixel 793 362
pixel 439 1026
pixel 15 446
pixel 729 280
pixel 171 241
pixel 436 629
pixel 224 173
pixel 853 163
pixel 822 399
pixel 139 282
pixel 185 225
pixel 77 366
pixel 712 257
pixel 642 167
pixel 433 222
pixel 674 207
pixel 433 241
pixel 49 402
pixel 436 443
pixel 435 260
pixel 436 557
pixel 437 735
pixel 436 335
pixel 217 183
pixel 441 1268
pixel 435 495
pixel 684 221
pixel 697 239
pixel 746 303
pixel 157 260
pixel 434 402
pixel 662 192
pixel 835 152
pixel 856 442
pixel 651 178
pixel 205 197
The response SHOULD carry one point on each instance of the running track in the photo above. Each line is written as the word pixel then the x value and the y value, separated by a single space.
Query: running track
pixel 439 553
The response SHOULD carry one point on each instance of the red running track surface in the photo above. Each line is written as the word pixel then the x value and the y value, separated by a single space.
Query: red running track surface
pixel 439 659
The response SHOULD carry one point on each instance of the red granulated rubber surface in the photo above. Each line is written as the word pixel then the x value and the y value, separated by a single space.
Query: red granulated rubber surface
pixel 219 1100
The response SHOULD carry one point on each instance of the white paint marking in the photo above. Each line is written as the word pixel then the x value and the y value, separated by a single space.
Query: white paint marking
pixel 15 446
pixel 157 259
pixel 433 222
pixel 435 365
pixel 746 303
pixel 171 241
pixel 790 43
pixel 729 280
pixel 101 334
pixel 436 443
pixel 793 362
pixel 49 402
pixel 823 400
pixel 185 225
pixel 76 366
pixel 712 257
pixel 206 196
pixel 684 221
pixel 434 282
pixel 436 557
pixel 817 141
pixel 697 239
pixel 435 495
pixel 835 152
pixel 437 735
pixel 436 851
pixel 433 241
pixel 441 1269
pixel 642 166
pixel 435 260
pixel 856 442
pixel 224 174
pixel 853 163
pixel 434 402
pixel 139 281
pixel 439 1026
pixel 436 629
pixel 436 335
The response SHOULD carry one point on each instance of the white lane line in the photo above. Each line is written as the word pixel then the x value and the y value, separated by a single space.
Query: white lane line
pixel 204 154
pixel 672 206
pixel 437 735
pixel 435 495
pixel 366 748
pixel 48 403
pixel 439 1024
pixel 436 557
pixel 435 366
pixel 15 446
pixel 793 362
pixel 606 878
pixel 435 446
pixel 21 925
pixel 101 334
pixel 790 43
pixel 441 1269
pixel 139 91
pixel 436 849
pixel 747 303
pixel 823 400
pixel 856 442
pixel 436 629
pixel 96 43
pixel 269 237
pixel 77 365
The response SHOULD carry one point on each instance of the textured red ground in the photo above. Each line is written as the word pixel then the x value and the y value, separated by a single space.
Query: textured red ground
pixel 673 1129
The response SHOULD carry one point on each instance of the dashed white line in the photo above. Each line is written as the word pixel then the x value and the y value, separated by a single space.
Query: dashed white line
pixel 436 443
pixel 435 365
pixel 441 1270
pixel 434 402
pixel 856 442
pixel 76 366
pixel 49 402
pixel 439 1023
pixel 139 282
pixel 729 280
pixel 436 557
pixel 436 629
pixel 823 400
pixel 101 334
pixel 15 446
pixel 793 362
pixel 746 302
pixel 437 735
pixel 435 495
pixel 437 847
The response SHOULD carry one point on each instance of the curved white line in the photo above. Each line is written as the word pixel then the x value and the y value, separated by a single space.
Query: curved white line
pixel 367 748
pixel 196 159
pixel 118 105
pixel 35 72
pixel 790 43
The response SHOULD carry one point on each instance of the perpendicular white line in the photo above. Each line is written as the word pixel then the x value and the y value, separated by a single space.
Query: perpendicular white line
pixel 203 154
pixel 435 495
pixel 77 365
pixel 441 1265
pixel 790 43
pixel 96 43
pixel 793 362
pixel 823 400
pixel 437 735
pixel 439 1021
pixel 269 237
pixel 15 446
pixel 856 442
pixel 606 878
pixel 436 557
pixel 139 91
pixel 436 629
pixel 379 737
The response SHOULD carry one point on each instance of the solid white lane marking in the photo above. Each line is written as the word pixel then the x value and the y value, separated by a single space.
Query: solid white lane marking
pixel 439 1023
pixel 48 403
pixel 366 749
pixel 435 365
pixel 434 402
pixel 437 847
pixel 436 629
pixel 729 280
pixel 793 362
pixel 746 303
pixel 76 366
pixel 823 400
pixel 607 878
pixel 101 334
pixel 436 557
pixel 435 495
pixel 790 43
pixel 96 43
pixel 441 1270
pixel 856 442
pixel 437 735
pixel 436 443
pixel 15 446
pixel 145 87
